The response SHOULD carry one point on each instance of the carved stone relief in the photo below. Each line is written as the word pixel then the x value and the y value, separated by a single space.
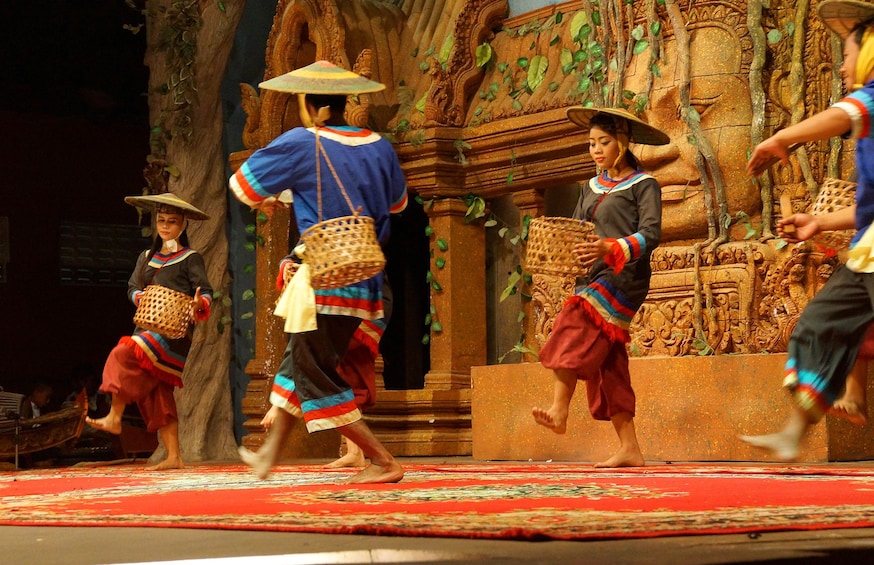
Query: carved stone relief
pixel 708 77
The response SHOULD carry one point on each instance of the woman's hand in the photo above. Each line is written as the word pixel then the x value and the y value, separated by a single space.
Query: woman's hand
pixel 269 205
pixel 196 304
pixel 592 250
pixel 766 154
pixel 806 226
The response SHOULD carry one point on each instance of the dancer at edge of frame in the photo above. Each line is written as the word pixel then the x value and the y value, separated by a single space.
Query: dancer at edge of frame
pixel 825 344
pixel 589 339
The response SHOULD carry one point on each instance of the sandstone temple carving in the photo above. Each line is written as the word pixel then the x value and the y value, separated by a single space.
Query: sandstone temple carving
pixel 475 102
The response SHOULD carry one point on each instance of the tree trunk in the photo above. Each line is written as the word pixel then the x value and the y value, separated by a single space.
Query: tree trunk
pixel 205 408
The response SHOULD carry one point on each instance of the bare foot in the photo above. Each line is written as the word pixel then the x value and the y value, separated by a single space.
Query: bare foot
pixel 554 419
pixel 373 474
pixel 782 446
pixel 852 410
pixel 169 463
pixel 623 458
pixel 354 456
pixel 348 460
pixel 106 424
pixel 259 463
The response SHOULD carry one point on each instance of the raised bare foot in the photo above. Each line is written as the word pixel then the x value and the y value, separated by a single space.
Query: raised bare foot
pixel 258 463
pixel 348 460
pixel 782 446
pixel 852 410
pixel 623 458
pixel 169 463
pixel 554 419
pixel 374 474
pixel 107 424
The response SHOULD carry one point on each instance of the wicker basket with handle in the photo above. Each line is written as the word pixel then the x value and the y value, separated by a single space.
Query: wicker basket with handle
pixel 344 250
pixel 164 311
pixel 551 240
pixel 834 195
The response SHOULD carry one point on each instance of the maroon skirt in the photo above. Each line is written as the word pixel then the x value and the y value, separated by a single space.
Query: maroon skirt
pixel 579 343
pixel 125 378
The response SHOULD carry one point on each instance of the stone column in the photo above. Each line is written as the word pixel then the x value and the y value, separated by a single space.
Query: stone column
pixel 460 305
pixel 530 203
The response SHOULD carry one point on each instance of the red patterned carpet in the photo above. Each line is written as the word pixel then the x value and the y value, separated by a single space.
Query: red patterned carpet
pixel 498 501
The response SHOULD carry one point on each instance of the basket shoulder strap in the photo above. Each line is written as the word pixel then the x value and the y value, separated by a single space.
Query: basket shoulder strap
pixel 320 149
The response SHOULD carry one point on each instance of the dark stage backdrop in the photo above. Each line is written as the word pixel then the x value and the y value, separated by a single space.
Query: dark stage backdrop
pixel 74 124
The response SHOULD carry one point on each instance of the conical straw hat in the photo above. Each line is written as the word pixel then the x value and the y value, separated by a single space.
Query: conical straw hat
pixel 152 201
pixel 841 16
pixel 639 131
pixel 322 77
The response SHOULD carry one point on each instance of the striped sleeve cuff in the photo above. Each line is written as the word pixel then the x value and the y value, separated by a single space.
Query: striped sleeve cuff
pixel 858 117
pixel 245 189
pixel 400 205
pixel 624 250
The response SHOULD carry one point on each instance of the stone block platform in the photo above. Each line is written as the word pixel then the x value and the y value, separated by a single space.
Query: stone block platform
pixel 416 423
pixel 688 409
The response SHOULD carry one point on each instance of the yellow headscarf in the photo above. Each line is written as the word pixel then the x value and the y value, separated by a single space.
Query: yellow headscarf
pixel 865 62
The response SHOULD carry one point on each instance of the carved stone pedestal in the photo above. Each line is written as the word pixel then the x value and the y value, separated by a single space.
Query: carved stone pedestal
pixel 422 422
pixel 688 409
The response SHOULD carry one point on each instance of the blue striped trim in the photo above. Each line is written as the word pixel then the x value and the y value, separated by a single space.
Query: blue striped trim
pixel 158 350
pixel 606 304
pixel 596 185
pixel 253 183
pixel 813 381
pixel 353 292
pixel 283 382
pixel 158 261
pixel 328 401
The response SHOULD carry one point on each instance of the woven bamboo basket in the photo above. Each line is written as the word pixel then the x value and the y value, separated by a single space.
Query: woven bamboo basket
pixel 550 246
pixel 164 311
pixel 342 251
pixel 834 195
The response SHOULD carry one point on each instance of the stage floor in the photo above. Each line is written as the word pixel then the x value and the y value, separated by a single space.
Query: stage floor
pixel 26 545
pixel 109 546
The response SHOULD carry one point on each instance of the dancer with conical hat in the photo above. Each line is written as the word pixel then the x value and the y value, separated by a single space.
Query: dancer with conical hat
pixel 366 167
pixel 145 367
pixel 589 337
